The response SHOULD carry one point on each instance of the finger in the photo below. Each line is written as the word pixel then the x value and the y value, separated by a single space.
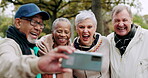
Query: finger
pixel 66 70
pixel 61 55
pixel 40 46
pixel 57 56
pixel 43 43
pixel 42 52
pixel 61 49
pixel 60 60
pixel 61 69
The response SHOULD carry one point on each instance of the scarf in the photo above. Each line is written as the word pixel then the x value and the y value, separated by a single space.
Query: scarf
pixel 21 39
pixel 123 41
pixel 77 45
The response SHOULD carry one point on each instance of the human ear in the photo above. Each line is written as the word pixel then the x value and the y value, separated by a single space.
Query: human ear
pixel 76 28
pixel 17 23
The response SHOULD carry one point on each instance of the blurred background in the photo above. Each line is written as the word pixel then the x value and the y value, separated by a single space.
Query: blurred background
pixel 69 9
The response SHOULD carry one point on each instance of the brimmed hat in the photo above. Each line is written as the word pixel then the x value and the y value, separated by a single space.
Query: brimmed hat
pixel 31 9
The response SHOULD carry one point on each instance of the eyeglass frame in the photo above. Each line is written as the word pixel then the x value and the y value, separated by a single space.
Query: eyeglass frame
pixel 34 23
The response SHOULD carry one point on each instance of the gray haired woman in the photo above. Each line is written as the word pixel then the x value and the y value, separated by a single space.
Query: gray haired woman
pixel 91 41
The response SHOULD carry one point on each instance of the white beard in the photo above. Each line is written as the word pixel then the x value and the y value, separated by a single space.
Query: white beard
pixel 33 41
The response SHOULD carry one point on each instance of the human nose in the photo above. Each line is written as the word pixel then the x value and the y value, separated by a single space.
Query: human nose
pixel 121 23
pixel 38 27
pixel 85 30
pixel 63 34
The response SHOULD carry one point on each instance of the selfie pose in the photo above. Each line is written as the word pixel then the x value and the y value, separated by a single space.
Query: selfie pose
pixel 17 57
pixel 90 41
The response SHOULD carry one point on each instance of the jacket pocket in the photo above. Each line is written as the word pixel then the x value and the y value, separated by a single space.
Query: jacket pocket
pixel 142 71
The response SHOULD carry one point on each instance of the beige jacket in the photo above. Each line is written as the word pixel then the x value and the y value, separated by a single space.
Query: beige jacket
pixel 134 62
pixel 102 46
pixel 14 64
pixel 47 39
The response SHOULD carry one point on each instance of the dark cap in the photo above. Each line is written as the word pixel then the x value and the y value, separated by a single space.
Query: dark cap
pixel 31 9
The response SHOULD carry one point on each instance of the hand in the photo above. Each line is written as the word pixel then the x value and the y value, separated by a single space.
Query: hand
pixel 43 48
pixel 50 63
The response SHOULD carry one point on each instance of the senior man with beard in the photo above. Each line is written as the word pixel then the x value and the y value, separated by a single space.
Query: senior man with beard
pixel 17 59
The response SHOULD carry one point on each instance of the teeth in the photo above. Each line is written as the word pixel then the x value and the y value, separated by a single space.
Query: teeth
pixel 62 39
pixel 34 33
pixel 85 35
pixel 121 28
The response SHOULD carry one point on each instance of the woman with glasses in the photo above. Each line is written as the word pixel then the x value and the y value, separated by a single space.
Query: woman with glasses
pixel 61 32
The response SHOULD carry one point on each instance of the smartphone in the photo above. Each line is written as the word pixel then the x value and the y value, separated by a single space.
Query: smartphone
pixel 83 60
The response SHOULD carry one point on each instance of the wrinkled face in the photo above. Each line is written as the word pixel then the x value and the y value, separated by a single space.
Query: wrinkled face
pixel 61 33
pixel 122 23
pixel 86 30
pixel 32 32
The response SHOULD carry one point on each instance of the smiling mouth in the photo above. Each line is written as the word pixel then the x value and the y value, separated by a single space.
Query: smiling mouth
pixel 34 35
pixel 85 37
pixel 62 40
pixel 122 28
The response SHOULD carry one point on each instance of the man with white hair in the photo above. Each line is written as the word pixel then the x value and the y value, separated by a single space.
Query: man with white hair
pixel 128 46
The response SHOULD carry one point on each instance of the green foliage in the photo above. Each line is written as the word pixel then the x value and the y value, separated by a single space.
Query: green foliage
pixel 139 20
pixel 55 8
pixel 4 23
pixel 69 8
pixel 146 18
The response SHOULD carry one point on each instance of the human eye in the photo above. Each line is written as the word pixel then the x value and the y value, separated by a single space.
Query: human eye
pixel 59 31
pixel 89 27
pixel 34 23
pixel 67 32
pixel 41 24
pixel 38 23
pixel 116 20
pixel 81 27
pixel 124 20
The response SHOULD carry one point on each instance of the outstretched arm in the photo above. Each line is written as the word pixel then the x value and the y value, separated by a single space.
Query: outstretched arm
pixel 51 61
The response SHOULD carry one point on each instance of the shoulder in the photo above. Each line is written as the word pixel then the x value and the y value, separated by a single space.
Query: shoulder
pixel 75 39
pixel 103 38
pixel 143 34
pixel 145 31
pixel 141 31
pixel 110 36
pixel 8 44
pixel 8 41
pixel 46 38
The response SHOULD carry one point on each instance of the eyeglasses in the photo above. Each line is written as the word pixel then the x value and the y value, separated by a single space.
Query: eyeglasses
pixel 34 23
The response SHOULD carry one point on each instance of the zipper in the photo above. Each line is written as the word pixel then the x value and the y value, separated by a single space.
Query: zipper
pixel 121 59
pixel 85 74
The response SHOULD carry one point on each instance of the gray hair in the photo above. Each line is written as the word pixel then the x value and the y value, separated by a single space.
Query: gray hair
pixel 59 20
pixel 85 15
pixel 117 9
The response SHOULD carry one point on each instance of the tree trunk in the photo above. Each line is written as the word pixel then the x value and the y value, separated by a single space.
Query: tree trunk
pixel 96 8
